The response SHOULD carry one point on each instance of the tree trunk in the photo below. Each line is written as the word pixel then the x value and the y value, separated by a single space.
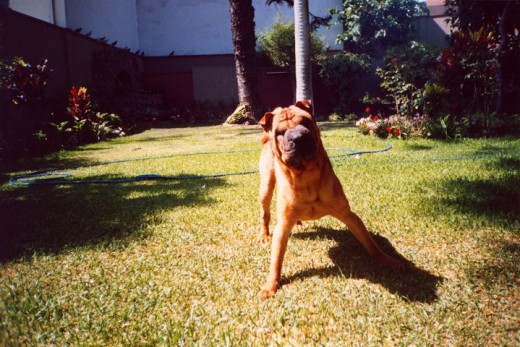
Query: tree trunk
pixel 244 43
pixel 302 38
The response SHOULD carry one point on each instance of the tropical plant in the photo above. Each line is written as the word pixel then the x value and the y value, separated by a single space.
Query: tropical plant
pixel 80 104
pixel 467 69
pixel 85 124
pixel 500 18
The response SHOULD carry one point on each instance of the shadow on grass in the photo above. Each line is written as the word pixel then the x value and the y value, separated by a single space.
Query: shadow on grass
pixel 49 219
pixel 501 269
pixel 496 199
pixel 418 147
pixel 352 261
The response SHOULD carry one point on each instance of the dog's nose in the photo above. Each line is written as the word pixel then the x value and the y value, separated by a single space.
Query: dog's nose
pixel 298 137
pixel 299 145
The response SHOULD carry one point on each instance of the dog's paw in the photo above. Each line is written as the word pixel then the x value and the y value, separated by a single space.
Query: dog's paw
pixel 263 239
pixel 268 290
pixel 265 294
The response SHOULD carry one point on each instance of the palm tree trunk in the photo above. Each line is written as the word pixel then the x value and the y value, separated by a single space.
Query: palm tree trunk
pixel 244 42
pixel 302 39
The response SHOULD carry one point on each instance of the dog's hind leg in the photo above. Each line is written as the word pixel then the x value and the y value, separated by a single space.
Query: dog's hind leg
pixel 267 184
pixel 359 230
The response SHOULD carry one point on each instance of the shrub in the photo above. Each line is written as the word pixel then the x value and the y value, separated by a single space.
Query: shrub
pixel 277 44
pixel 22 88
pixel 405 73
pixel 25 82
pixel 341 72
pixel 467 69
pixel 435 100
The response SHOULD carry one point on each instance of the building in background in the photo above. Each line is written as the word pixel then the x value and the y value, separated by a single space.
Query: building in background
pixel 159 27
pixel 181 48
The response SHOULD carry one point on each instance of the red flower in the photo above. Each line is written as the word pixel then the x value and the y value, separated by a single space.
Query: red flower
pixel 389 129
pixel 375 118
pixel 367 109
pixel 397 132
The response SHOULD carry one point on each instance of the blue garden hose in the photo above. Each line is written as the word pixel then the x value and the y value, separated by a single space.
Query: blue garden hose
pixel 57 177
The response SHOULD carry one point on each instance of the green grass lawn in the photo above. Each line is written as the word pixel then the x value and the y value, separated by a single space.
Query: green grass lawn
pixel 178 263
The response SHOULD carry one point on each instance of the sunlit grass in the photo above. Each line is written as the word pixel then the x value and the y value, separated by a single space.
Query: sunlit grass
pixel 177 262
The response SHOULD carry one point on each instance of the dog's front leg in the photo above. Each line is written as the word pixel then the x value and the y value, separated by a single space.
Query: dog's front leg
pixel 279 245
pixel 267 184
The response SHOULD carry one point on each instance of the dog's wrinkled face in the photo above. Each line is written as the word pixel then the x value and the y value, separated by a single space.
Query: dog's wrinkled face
pixel 293 134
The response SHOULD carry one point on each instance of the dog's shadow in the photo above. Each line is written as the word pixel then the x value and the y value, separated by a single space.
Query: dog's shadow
pixel 352 261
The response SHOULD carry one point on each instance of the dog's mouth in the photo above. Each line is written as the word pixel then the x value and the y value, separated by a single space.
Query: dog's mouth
pixel 299 146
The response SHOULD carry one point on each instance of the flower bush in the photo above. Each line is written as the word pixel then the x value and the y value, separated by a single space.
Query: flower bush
pixel 368 125
pixel 394 126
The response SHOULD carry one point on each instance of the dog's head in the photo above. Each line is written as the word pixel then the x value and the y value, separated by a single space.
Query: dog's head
pixel 293 134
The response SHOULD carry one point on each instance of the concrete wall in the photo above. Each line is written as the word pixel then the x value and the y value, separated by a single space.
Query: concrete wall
pixel 159 27
pixel 114 19
pixel 189 27
pixel 433 29
pixel 40 9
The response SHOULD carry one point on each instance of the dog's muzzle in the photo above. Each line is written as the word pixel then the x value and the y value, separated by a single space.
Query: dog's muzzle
pixel 299 146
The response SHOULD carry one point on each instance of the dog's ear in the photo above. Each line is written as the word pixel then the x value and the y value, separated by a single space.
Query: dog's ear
pixel 266 122
pixel 305 105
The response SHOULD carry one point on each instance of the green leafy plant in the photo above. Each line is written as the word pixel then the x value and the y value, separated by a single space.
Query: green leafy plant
pixel 277 44
pixel 435 100
pixel 24 82
pixel 405 73
pixel 340 72
pixel 372 23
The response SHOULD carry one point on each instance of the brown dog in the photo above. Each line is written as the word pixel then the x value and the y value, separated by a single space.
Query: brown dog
pixel 293 157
